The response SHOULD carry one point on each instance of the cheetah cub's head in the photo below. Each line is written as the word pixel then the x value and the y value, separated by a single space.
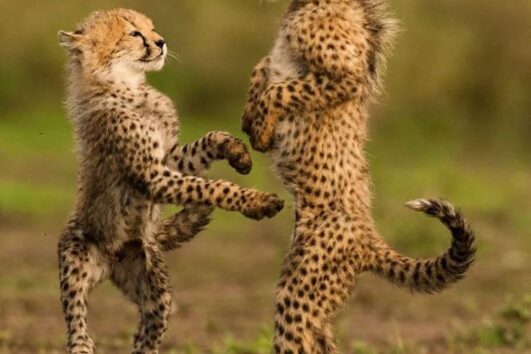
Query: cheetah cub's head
pixel 116 44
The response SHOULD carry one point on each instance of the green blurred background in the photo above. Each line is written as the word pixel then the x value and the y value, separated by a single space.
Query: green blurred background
pixel 454 122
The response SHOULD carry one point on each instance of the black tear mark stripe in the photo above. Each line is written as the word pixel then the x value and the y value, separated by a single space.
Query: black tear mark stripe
pixel 144 40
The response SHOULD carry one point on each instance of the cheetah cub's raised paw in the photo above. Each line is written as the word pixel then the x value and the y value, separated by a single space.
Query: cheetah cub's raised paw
pixel 259 124
pixel 262 141
pixel 238 155
pixel 262 205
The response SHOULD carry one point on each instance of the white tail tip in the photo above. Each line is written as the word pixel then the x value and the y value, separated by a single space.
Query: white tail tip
pixel 418 204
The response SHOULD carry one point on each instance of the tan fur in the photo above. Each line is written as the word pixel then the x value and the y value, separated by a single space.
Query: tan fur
pixel 308 106
pixel 130 163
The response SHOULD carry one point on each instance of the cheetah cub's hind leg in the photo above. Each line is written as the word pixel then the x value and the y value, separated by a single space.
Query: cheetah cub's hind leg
pixel 140 272
pixel 80 269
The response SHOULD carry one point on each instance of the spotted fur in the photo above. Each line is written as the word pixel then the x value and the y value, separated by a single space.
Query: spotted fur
pixel 308 107
pixel 130 163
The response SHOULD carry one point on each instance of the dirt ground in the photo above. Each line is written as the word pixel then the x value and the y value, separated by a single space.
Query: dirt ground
pixel 223 288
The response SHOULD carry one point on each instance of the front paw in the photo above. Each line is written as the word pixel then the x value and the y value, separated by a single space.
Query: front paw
pixel 261 205
pixel 238 156
pixel 248 117
pixel 262 138
pixel 264 126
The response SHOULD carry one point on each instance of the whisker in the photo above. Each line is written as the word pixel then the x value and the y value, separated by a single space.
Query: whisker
pixel 174 55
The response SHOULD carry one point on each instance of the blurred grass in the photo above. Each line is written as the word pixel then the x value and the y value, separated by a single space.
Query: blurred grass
pixel 453 123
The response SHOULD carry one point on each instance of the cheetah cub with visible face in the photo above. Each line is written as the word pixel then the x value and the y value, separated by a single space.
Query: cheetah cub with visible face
pixel 308 106
pixel 130 164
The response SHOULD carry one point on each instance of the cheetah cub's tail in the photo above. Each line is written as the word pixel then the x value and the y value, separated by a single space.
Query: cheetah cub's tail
pixel 182 226
pixel 433 274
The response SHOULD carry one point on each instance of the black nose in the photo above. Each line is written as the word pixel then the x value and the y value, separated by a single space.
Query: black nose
pixel 160 43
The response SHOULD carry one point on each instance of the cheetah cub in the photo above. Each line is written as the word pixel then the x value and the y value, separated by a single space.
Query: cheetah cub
pixel 308 106
pixel 130 164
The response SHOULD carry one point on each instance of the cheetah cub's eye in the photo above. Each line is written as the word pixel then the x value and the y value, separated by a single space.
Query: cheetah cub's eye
pixel 135 34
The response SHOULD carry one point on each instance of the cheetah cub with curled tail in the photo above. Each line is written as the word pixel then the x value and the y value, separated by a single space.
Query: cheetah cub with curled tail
pixel 308 106
pixel 130 164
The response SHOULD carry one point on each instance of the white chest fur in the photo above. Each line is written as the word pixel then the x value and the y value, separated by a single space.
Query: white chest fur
pixel 283 64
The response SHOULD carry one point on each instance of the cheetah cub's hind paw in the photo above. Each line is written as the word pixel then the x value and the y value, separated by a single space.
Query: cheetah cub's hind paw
pixel 238 156
pixel 263 205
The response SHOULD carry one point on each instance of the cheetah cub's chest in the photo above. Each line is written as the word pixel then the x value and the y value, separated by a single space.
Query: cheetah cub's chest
pixel 285 66
pixel 163 117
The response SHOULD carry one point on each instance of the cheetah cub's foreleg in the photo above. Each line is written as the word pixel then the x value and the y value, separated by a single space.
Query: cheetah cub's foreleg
pixel 194 158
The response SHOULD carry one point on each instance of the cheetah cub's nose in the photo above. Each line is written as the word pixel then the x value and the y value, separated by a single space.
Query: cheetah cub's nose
pixel 160 43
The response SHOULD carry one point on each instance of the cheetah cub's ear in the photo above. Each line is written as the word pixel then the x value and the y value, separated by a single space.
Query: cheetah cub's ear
pixel 70 40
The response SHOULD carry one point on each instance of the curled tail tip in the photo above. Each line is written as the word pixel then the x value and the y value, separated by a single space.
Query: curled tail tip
pixel 433 207
pixel 418 204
